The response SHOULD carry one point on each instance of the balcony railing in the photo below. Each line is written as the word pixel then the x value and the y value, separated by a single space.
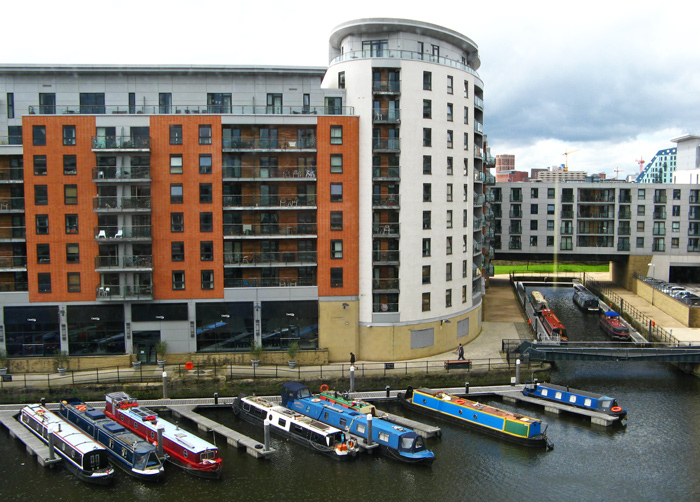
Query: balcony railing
pixel 623 246
pixel 660 214
pixel 270 229
pixel 385 256
pixel 386 115
pixel 275 258
pixel 386 144
pixel 399 54
pixel 121 173
pixel 191 109
pixel 264 173
pixel 624 215
pixel 14 140
pixel 129 232
pixel 478 127
pixel 268 283
pixel 660 199
pixel 268 144
pixel 478 152
pixel 385 230
pixel 386 87
pixel 11 173
pixel 288 201
pixel 121 203
pixel 385 284
pixel 479 199
pixel 386 200
pixel 479 176
pixel 490 179
pixel 123 262
pixel 386 172
pixel 106 293
pixel 14 287
pixel 13 262
pixel 9 233
pixel 516 196
pixel 11 203
pixel 121 142
pixel 478 102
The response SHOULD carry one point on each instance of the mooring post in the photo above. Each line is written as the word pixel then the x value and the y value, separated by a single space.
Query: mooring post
pixel 43 401
pixel 517 371
pixel 466 387
pixel 267 435
pixel 51 445
pixel 352 379
pixel 369 429
pixel 165 385
pixel 388 391
pixel 216 398
pixel 159 450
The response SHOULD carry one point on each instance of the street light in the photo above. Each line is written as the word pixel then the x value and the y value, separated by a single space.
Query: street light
pixel 290 318
pixel 653 287
pixel 652 267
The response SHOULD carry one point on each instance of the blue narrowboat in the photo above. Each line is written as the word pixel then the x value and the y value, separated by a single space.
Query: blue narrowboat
pixel 394 441
pixel 575 397
pixel 584 300
pixel 126 450
pixel 493 421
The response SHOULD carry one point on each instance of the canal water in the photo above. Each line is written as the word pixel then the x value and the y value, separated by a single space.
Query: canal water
pixel 655 457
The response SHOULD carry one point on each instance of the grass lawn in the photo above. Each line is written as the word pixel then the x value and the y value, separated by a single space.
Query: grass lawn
pixel 550 268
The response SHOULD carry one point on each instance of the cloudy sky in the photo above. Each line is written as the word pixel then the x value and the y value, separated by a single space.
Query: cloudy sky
pixel 614 79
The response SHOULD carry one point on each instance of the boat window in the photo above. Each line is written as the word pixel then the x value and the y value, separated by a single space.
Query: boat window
pixel 406 443
pixel 208 454
pixel 140 460
pixel 343 422
pixel 305 392
pixel 246 407
pixel 557 395
pixel 572 399
pixel 544 392
pixel 153 459
pixel 153 434
pixel 384 437
pixel 587 402
pixel 605 404
pixel 282 422
pixel 419 444
pixel 460 412
pixel 325 416
pixel 360 428
pixel 184 453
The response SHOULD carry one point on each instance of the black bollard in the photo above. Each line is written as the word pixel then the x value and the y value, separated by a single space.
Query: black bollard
pixel 43 401
pixel 388 391
pixel 466 387
pixel 216 398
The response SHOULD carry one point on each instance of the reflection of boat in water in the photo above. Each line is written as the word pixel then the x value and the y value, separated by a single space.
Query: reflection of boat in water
pixel 553 326
pixel 493 421
pixel 299 428
pixel 574 397
pixel 80 453
pixel 612 325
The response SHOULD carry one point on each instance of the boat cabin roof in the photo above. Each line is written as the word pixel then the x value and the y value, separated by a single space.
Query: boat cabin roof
pixel 578 392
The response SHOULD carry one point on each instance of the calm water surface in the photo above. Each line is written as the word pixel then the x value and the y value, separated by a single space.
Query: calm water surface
pixel 656 457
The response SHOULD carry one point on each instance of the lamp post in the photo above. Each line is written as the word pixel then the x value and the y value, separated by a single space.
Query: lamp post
pixel 653 287
pixel 290 318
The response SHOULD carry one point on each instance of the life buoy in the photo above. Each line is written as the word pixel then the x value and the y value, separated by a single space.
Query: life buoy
pixel 460 401
pixel 616 409
pixel 324 387
pixel 81 407
pixel 351 444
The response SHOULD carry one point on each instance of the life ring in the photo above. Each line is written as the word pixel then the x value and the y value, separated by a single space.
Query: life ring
pixel 351 444
pixel 460 401
pixel 616 409
pixel 324 387
pixel 81 407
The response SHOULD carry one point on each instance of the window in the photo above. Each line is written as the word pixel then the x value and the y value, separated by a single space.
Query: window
pixel 336 135
pixel 550 208
pixel 427 164
pixel 448 298
pixel 336 277
pixel 676 194
pixel 375 48
pixel 466 114
pixel 337 163
pixel 550 193
pixel 641 193
pixel 219 102
pixel 178 279
pixel 336 220
pixel 336 192
pixel 448 271
pixel 205 134
pixel 336 249
pixel 176 164
pixel 425 302
pixel 427 137
pixel 427 109
pixel 43 253
pixel 165 102
pixel 448 245
pixel 47 103
pixel 426 220
pixel 177 222
pixel 450 84
pixel 132 103
pixel 10 105
pixel 70 194
pixel 205 164
pixel 40 165
pixel 550 225
pixel 640 242
pixel 73 282
pixel 675 226
pixel 464 269
pixel 427 192
pixel 71 223
pixel 448 218
pixel 450 166
pixel 70 165
pixel 641 210
pixel 14 135
pixel 341 80
pixel 205 193
pixel 39 135
pixel 640 226
pixel 450 138
pixel 449 192
pixel 550 240
pixel 676 211
pixel 207 279
pixel 426 274
pixel 176 196
pixel 175 134
pixel 206 250
pixel 534 193
pixel 44 280
pixel 41 195
pixel 533 240
pixel 466 89
pixel 426 247
pixel 206 222
pixel 567 243
pixel 68 135
pixel 427 81
pixel 177 251
pixel 675 242
pixel 92 103
pixel 334 106
pixel 42 224
pixel 534 208
pixel 466 141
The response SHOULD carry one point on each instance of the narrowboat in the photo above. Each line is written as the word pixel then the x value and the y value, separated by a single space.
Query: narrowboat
pixel 126 450
pixel 299 428
pixel 345 401
pixel 613 326
pixel 585 300
pixel 185 450
pixel 575 397
pixel 394 441
pixel 553 326
pixel 481 417
pixel 86 459
pixel 538 302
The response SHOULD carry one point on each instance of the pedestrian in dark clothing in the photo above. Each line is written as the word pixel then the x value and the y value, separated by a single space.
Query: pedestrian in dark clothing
pixel 352 358
pixel 460 353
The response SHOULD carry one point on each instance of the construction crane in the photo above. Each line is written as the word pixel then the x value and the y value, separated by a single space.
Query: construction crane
pixel 641 164
pixel 566 155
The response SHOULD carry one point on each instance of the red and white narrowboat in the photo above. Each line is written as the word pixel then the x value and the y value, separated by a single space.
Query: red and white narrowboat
pixel 553 326
pixel 184 449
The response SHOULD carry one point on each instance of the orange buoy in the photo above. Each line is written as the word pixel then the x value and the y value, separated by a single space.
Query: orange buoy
pixel 189 365
pixel 616 409
pixel 324 387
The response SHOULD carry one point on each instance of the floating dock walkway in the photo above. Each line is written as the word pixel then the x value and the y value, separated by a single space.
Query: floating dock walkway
pixel 35 446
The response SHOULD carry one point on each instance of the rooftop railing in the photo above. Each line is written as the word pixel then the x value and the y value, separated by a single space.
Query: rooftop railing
pixel 190 109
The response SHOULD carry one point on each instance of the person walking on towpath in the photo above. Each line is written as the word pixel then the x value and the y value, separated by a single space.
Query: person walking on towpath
pixel 352 359
pixel 460 353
